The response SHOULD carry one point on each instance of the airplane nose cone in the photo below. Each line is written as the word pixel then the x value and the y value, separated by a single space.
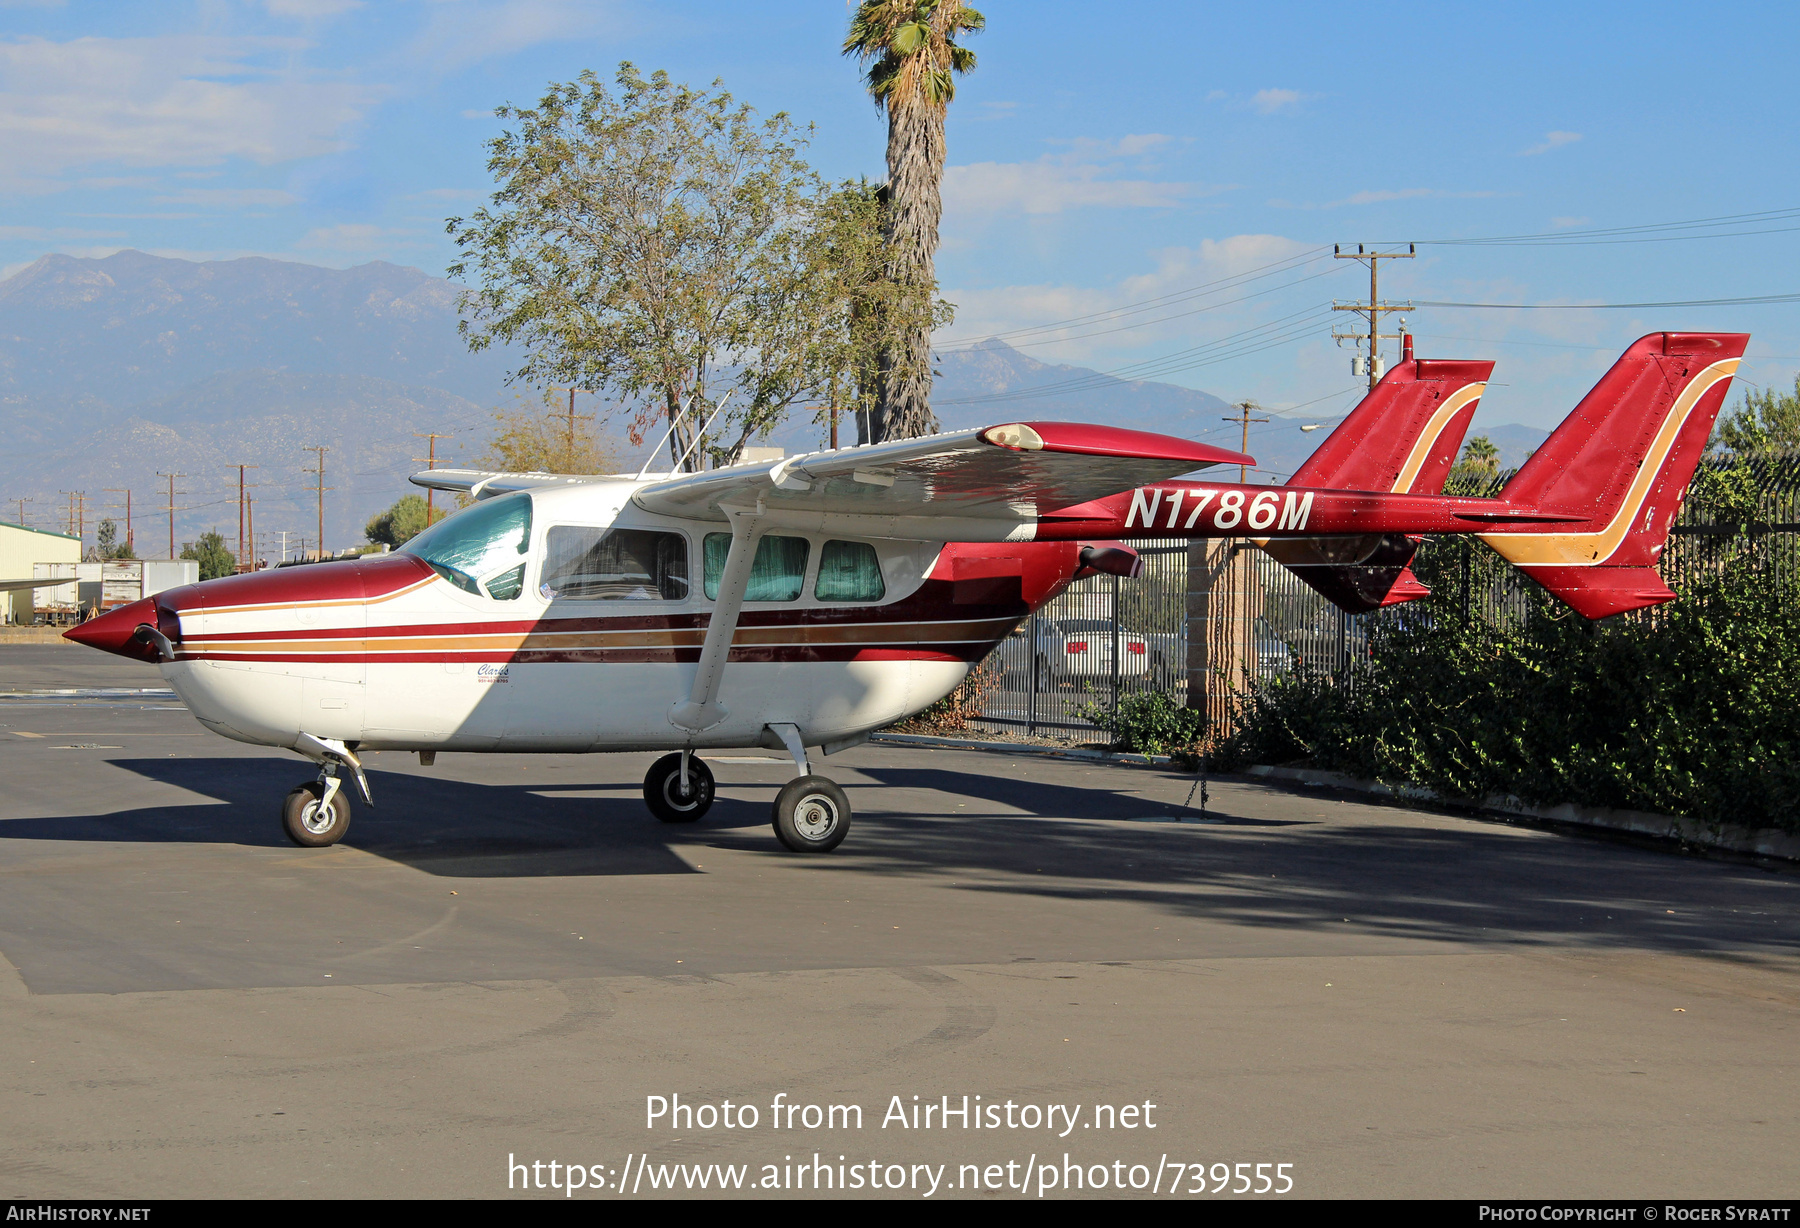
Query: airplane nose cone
pixel 116 631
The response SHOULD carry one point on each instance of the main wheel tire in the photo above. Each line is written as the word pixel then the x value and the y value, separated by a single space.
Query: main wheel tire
pixel 811 815
pixel 310 825
pixel 664 795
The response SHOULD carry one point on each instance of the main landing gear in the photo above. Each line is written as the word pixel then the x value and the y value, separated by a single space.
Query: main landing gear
pixel 810 814
pixel 679 788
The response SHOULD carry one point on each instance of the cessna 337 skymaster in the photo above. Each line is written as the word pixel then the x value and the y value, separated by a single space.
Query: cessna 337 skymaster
pixel 806 602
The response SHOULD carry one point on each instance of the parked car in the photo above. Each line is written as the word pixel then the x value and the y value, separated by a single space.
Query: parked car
pixel 1081 650
pixel 1169 655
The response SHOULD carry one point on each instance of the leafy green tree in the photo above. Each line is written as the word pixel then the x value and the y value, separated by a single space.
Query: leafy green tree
pixel 636 241
pixel 210 553
pixel 823 321
pixel 539 439
pixel 107 544
pixel 1475 470
pixel 401 522
pixel 1766 419
pixel 913 57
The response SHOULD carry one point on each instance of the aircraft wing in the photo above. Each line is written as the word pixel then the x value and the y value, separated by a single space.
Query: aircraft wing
pixel 13 586
pixel 483 483
pixel 998 475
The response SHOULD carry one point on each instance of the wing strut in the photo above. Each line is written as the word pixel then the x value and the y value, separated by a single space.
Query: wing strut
pixel 701 710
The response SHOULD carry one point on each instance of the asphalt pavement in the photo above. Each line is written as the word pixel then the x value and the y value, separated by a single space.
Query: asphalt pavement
pixel 509 957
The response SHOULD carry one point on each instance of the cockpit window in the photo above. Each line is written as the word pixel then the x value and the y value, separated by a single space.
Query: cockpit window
pixel 479 548
pixel 583 564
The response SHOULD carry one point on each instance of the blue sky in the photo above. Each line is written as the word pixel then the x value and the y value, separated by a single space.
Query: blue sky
pixel 1100 156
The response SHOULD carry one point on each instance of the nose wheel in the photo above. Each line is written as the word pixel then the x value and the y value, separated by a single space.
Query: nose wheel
pixel 314 817
pixel 672 799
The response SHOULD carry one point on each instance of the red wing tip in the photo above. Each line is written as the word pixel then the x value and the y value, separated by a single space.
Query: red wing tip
pixel 1092 439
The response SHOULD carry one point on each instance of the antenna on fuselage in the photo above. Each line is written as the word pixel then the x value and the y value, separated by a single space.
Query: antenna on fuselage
pixel 673 422
pixel 701 433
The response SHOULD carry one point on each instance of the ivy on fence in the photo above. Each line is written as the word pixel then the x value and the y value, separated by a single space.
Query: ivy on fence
pixel 1692 708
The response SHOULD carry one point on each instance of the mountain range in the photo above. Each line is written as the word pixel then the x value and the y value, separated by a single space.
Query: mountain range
pixel 117 370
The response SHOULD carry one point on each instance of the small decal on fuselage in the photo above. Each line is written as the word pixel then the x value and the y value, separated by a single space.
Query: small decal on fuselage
pixel 1285 511
pixel 493 673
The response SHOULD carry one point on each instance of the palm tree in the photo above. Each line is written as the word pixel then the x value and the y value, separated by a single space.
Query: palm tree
pixel 910 48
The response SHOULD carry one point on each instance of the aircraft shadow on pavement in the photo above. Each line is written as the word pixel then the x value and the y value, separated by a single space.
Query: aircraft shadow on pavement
pixel 1478 883
pixel 443 826
pixel 1471 882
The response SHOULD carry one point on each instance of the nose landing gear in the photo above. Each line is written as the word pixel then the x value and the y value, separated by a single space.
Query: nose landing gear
pixel 316 813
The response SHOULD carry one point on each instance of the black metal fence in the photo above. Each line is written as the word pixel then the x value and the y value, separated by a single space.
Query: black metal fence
pixel 1107 638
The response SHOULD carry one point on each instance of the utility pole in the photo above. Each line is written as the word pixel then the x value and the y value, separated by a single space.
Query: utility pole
pixel 130 541
pixel 430 457
pixel 22 503
pixel 571 415
pixel 240 549
pixel 322 488
pixel 1373 310
pixel 75 521
pixel 171 506
pixel 1243 417
pixel 833 410
pixel 250 514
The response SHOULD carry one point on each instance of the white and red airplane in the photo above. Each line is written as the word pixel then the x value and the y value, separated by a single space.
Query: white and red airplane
pixel 807 602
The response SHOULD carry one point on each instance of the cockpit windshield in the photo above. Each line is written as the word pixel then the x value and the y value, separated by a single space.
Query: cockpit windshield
pixel 479 549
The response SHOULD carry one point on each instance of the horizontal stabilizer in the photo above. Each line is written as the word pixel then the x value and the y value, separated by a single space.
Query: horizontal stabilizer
pixel 1596 592
pixel 1356 574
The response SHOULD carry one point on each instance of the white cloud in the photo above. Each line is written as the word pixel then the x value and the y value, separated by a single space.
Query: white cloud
pixel 1268 102
pixel 1552 140
pixel 448 194
pixel 310 10
pixel 355 237
pixel 1383 195
pixel 227 198
pixel 1051 186
pixel 1079 178
pixel 43 234
pixel 1005 309
pixel 460 34
pixel 164 101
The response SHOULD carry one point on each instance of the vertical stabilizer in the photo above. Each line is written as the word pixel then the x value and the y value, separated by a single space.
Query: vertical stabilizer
pixel 1621 461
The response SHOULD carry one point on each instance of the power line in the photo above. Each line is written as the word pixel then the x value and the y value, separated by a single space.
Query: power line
pixel 1218 286
pixel 1652 232
pixel 1107 332
pixel 1748 301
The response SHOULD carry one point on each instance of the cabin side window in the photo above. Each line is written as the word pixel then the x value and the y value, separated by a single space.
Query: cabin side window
pixel 587 564
pixel 849 571
pixel 478 549
pixel 776 575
